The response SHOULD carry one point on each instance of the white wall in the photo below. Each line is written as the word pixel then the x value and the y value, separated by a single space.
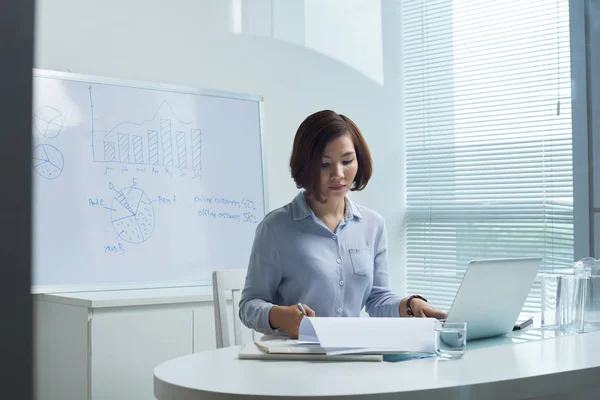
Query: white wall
pixel 189 42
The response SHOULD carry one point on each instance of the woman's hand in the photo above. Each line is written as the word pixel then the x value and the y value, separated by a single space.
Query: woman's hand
pixel 288 318
pixel 422 309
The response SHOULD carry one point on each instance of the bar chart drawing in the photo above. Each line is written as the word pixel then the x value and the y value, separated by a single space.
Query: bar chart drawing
pixel 153 147
pixel 162 140
pixel 196 150
pixel 181 152
pixel 109 151
pixel 138 154
pixel 124 148
pixel 167 144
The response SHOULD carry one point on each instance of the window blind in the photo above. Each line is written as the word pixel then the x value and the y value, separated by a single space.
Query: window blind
pixel 487 112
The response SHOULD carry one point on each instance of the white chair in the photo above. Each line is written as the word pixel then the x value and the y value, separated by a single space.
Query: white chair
pixel 224 281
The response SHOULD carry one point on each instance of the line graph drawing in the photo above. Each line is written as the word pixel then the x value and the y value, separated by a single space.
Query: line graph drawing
pixel 48 122
pixel 132 215
pixel 48 161
pixel 158 141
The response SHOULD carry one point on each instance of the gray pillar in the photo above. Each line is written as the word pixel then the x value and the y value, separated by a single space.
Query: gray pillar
pixel 16 51
pixel 585 77
pixel 593 48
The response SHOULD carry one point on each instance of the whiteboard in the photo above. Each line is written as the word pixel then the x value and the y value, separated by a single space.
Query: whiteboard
pixel 139 185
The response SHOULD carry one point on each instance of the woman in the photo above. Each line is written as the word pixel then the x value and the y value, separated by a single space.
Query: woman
pixel 321 249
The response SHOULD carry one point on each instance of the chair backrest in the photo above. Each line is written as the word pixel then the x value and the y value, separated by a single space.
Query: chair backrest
pixel 223 281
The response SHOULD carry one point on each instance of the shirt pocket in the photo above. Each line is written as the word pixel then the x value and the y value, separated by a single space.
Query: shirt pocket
pixel 362 260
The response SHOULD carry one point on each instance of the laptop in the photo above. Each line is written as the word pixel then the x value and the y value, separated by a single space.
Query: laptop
pixel 492 294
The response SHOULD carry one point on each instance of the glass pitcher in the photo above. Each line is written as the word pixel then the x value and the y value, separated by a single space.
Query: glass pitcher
pixel 589 269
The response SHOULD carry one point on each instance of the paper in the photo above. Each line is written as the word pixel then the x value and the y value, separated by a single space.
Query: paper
pixel 369 335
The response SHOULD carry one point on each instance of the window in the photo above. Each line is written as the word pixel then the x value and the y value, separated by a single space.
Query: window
pixel 487 109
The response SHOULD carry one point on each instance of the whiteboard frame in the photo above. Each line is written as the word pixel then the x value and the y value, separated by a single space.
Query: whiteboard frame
pixel 142 285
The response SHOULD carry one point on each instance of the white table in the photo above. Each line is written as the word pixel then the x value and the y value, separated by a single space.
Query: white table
pixel 568 364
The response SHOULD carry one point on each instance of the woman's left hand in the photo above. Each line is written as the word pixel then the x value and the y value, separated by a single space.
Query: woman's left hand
pixel 422 309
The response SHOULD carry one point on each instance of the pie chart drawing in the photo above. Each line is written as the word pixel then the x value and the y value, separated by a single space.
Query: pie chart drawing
pixel 132 215
pixel 48 122
pixel 48 161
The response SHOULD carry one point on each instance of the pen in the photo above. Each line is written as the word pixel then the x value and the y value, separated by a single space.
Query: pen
pixel 523 324
pixel 301 308
pixel 527 322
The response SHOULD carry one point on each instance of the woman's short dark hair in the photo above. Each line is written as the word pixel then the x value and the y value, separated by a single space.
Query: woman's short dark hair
pixel 313 134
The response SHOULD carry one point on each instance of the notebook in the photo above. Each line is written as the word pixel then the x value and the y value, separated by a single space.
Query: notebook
pixel 297 352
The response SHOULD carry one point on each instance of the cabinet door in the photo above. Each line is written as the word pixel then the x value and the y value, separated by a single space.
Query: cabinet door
pixel 60 336
pixel 128 343
pixel 204 327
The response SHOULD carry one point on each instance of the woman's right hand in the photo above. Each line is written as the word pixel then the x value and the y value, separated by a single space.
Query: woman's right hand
pixel 288 318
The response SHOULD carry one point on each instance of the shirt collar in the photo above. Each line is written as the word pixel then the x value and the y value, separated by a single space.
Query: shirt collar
pixel 301 210
pixel 351 210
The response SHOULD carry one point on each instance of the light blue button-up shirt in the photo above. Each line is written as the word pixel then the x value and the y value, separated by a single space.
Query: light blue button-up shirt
pixel 296 258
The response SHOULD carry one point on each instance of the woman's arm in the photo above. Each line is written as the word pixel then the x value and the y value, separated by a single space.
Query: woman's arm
pixel 382 302
pixel 262 280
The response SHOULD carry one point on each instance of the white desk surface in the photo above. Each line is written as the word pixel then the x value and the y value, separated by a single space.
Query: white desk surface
pixel 506 371
pixel 137 297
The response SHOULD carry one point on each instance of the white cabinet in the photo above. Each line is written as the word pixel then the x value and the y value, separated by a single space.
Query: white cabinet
pixel 126 346
pixel 60 335
pixel 105 345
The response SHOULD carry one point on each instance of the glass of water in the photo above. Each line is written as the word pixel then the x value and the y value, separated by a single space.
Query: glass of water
pixel 551 311
pixel 450 339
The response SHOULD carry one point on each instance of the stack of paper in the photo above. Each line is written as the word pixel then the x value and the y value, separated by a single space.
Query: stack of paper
pixel 294 350
pixel 369 335
pixel 350 339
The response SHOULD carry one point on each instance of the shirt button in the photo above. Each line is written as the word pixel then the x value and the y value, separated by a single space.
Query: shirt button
pixel 339 260
pixel 339 310
pixel 341 283
pixel 334 237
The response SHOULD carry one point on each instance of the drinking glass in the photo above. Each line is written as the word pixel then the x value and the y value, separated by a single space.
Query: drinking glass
pixel 450 339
